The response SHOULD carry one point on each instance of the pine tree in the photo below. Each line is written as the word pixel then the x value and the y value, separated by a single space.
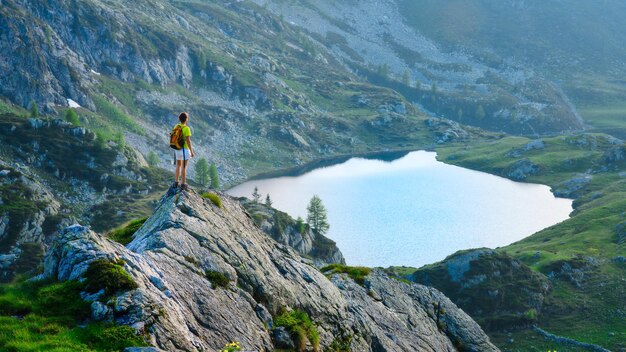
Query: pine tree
pixel 34 110
pixel 215 178
pixel 317 217
pixel 72 117
pixel 405 78
pixel 256 196
pixel 202 172
pixel 300 225
pixel 383 70
pixel 460 114
pixel 268 200
pixel 153 159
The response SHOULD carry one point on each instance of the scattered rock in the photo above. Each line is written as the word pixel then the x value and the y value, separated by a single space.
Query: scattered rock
pixel 535 144
pixel 282 339
pixel 521 169
pixel 571 187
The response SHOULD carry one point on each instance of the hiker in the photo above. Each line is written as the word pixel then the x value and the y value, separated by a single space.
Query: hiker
pixel 180 140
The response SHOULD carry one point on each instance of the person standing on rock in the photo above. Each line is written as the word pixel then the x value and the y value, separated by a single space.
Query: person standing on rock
pixel 180 140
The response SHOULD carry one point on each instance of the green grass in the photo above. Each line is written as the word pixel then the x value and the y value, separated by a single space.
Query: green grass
pixel 124 234
pixel 217 278
pixel 300 327
pixel 586 313
pixel 50 316
pixel 356 273
pixel 213 197
pixel 402 271
pixel 116 117
pixel 109 276
pixel 607 117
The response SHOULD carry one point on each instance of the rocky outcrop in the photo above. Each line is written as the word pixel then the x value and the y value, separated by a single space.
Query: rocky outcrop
pixel 500 292
pixel 28 212
pixel 173 259
pixel 521 169
pixel 284 229
pixel 52 172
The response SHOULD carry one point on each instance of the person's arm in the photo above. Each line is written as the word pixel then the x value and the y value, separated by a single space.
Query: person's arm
pixel 189 145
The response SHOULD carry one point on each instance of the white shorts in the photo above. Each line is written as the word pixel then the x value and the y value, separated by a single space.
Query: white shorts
pixel 179 154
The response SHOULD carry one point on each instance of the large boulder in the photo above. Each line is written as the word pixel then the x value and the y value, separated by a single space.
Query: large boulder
pixel 499 291
pixel 207 276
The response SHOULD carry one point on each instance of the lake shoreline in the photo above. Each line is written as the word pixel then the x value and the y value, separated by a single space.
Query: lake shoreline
pixel 330 161
pixel 417 197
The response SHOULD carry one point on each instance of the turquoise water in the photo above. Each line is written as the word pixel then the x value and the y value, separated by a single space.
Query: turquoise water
pixel 414 210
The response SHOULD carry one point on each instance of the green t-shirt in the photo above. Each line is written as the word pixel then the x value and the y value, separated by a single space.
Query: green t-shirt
pixel 186 133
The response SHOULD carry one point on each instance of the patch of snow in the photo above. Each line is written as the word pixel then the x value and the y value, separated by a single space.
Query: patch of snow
pixel 72 103
pixel 94 72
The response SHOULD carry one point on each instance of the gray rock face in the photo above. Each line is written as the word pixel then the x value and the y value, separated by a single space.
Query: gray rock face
pixel 521 169
pixel 283 228
pixel 494 288
pixel 181 310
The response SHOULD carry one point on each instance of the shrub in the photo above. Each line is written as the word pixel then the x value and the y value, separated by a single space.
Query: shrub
pixel 356 273
pixel 51 313
pixel 103 274
pixel 125 234
pixel 72 117
pixel 109 337
pixel 341 344
pixel 217 278
pixel 300 327
pixel 214 198
pixel 301 225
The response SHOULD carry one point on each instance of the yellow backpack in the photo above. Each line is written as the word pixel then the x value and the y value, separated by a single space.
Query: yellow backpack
pixel 177 141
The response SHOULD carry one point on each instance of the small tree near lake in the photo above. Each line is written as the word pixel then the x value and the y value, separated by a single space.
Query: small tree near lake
pixel 317 217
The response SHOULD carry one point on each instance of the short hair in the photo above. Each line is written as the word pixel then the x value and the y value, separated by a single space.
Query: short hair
pixel 183 117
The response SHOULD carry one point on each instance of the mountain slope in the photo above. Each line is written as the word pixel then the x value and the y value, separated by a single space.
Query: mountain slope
pixel 180 304
pixel 385 42
pixel 52 173
pixel 261 96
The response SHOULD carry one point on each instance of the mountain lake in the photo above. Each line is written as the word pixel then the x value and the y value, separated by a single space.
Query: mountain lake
pixel 411 209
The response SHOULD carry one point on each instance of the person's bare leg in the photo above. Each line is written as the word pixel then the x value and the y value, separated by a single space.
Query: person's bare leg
pixel 178 166
pixel 184 171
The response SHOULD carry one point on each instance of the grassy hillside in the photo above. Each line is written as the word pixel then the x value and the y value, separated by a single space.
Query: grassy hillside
pixel 584 256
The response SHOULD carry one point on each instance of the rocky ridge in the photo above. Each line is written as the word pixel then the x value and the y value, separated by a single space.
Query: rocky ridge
pixel 181 310
pixel 284 229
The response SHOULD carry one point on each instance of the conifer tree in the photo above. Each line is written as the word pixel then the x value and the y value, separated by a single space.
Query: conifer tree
pixel 317 217
pixel 202 172
pixel 215 178
pixel 72 117
pixel 268 200
pixel 256 196
pixel 153 159
pixel 34 110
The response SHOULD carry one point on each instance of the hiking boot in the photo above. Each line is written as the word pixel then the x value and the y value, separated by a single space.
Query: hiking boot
pixel 184 187
pixel 175 185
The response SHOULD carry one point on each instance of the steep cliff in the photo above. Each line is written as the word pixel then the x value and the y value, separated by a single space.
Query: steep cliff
pixel 285 229
pixel 206 276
